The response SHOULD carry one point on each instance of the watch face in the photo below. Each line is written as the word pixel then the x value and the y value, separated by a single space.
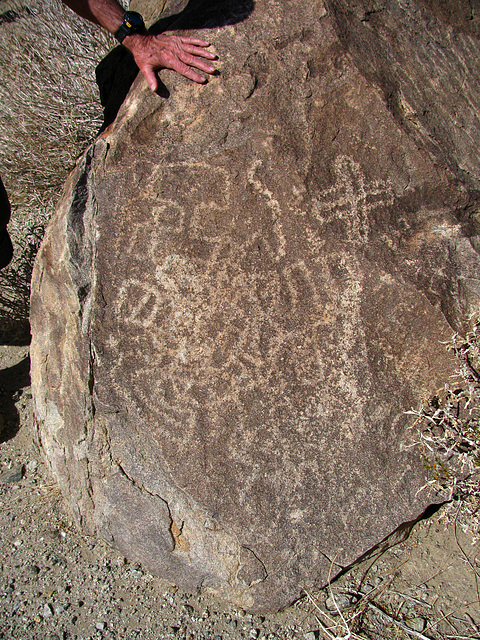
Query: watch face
pixel 133 20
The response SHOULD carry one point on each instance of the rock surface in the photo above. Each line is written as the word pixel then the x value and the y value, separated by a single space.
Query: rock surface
pixel 152 9
pixel 244 288
pixel 423 54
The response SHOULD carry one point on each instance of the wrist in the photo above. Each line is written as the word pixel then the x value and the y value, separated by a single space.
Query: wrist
pixel 135 41
pixel 132 24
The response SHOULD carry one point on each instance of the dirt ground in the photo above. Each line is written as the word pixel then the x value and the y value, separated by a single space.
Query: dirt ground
pixel 57 583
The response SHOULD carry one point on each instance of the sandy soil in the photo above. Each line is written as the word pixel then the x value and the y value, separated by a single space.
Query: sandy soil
pixel 57 583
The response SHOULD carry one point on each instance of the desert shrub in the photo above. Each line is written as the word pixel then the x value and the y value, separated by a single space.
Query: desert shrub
pixel 448 428
pixel 49 106
pixel 49 113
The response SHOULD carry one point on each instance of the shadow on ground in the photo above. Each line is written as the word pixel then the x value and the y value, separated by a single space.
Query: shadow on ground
pixel 12 381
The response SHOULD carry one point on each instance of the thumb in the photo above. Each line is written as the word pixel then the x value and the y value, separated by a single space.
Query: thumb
pixel 150 77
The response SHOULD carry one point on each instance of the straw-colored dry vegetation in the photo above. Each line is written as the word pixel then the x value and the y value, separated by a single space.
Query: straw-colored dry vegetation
pixel 49 106
pixel 448 428
pixel 49 112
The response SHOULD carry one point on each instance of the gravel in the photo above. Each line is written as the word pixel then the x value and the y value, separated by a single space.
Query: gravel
pixel 57 583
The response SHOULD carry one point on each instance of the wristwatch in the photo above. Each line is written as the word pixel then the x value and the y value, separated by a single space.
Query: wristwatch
pixel 132 23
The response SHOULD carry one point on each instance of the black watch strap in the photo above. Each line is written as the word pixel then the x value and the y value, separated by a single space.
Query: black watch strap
pixel 132 23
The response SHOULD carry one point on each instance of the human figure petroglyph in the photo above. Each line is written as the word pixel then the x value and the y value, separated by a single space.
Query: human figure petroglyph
pixel 182 284
pixel 227 319
pixel 272 203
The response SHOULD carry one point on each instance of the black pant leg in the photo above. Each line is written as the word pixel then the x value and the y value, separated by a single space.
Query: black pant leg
pixel 6 247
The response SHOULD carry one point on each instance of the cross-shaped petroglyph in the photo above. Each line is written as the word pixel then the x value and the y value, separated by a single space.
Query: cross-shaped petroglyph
pixel 352 198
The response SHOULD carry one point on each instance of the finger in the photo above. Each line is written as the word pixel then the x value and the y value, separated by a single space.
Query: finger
pixel 197 63
pixel 197 51
pixel 150 77
pixel 188 72
pixel 195 41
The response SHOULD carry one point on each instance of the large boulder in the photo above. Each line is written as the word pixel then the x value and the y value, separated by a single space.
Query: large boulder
pixel 245 287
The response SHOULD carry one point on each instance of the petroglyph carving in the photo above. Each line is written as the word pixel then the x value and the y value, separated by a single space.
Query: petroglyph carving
pixel 232 315
pixel 272 203
pixel 351 199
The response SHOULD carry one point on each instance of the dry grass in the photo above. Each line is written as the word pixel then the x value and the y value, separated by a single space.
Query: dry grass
pixel 49 112
pixel 49 107
pixel 448 429
pixel 361 613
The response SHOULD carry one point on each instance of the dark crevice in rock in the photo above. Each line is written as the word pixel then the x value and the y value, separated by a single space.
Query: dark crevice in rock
pixel 91 380
pixel 398 536
pixel 265 572
pixel 140 486
pixel 173 528
pixel 79 241
pixel 179 540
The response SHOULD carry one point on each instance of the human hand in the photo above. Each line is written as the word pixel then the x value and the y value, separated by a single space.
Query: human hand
pixel 183 55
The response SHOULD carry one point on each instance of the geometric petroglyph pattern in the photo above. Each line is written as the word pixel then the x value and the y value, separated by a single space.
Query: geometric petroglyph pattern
pixel 228 320
pixel 351 199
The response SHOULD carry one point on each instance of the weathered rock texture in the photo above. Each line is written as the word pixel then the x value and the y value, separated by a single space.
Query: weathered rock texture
pixel 423 54
pixel 152 10
pixel 244 288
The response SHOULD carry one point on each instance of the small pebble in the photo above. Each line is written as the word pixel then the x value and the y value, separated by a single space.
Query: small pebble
pixel 12 475
pixel 47 611
pixel 417 624
pixel 16 605
pixel 100 626
pixel 31 466
pixel 61 608
pixel 340 601
pixel 10 588
pixel 32 569
pixel 310 635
